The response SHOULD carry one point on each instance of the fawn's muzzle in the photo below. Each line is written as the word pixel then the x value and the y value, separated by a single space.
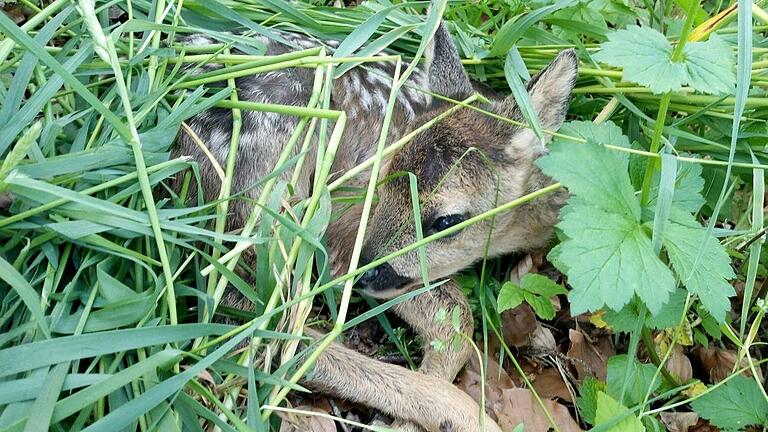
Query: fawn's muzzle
pixel 380 280
pixel 369 277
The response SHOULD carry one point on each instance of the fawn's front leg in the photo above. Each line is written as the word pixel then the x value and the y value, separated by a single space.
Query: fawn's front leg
pixel 421 313
pixel 426 401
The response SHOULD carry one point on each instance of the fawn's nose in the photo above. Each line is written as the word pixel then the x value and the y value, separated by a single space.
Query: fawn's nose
pixel 369 278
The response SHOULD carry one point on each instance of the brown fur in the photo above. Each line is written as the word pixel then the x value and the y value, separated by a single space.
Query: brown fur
pixel 465 165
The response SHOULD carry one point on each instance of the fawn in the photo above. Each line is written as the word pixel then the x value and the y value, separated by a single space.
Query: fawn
pixel 465 164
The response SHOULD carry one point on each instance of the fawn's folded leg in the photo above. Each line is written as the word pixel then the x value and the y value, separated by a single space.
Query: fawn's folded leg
pixel 432 403
pixel 421 312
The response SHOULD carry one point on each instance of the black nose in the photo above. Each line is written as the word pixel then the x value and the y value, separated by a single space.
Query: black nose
pixel 369 278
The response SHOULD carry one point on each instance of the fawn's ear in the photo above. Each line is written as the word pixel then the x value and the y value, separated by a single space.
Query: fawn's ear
pixel 550 89
pixel 550 93
pixel 443 67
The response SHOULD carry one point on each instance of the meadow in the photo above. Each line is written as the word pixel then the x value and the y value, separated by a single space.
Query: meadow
pixel 648 312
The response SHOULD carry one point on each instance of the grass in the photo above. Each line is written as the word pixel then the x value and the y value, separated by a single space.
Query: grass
pixel 109 282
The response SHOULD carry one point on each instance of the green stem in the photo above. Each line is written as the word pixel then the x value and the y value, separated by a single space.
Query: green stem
pixel 153 63
pixel 106 49
pixel 226 186
pixel 677 56
pixel 653 164
pixel 650 346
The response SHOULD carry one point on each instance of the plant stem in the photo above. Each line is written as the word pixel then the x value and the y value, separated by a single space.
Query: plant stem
pixel 650 347
pixel 677 55
pixel 226 187
pixel 105 48
pixel 653 164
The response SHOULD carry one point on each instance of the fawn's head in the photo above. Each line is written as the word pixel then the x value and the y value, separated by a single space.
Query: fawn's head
pixel 466 164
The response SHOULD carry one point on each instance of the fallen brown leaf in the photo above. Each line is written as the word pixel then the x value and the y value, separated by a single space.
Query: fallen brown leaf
pixel 719 363
pixel 549 384
pixel 517 325
pixel 529 264
pixel 496 381
pixel 546 380
pixel 679 364
pixel 542 341
pixel 297 422
pixel 679 421
pixel 590 356
pixel 519 406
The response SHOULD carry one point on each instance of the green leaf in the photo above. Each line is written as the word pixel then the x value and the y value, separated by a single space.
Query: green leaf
pixel 587 400
pixel 541 305
pixel 44 404
pixel 606 188
pixel 709 279
pixel 111 289
pixel 709 324
pixel 609 259
pixel 688 186
pixel 510 296
pixel 666 191
pixel 645 56
pixel 513 29
pixel 640 377
pixel 541 285
pixel 604 134
pixel 583 12
pixel 521 96
pixel 27 294
pixel 668 317
pixel 616 12
pixel 608 409
pixel 123 416
pixel 606 247
pixel 710 66
pixel 652 424
pixel 538 290
pixel 19 151
pixel 43 353
pixel 361 34
pixel 734 405
pixel 535 290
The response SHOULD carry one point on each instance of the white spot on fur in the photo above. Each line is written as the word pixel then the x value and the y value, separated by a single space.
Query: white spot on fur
pixel 198 39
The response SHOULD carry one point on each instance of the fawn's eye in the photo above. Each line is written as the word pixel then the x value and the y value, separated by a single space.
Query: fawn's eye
pixel 445 222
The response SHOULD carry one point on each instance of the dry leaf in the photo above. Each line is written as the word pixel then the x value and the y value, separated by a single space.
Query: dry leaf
pixel 529 264
pixel 547 381
pixel 517 325
pixel 295 422
pixel 679 364
pixel 719 363
pixel 590 357
pixel 519 406
pixel 679 421
pixel 549 384
pixel 542 340
pixel 497 380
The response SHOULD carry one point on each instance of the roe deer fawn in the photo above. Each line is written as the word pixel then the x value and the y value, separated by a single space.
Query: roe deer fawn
pixel 500 168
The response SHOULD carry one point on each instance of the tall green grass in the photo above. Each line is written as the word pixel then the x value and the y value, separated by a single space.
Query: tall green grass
pixel 110 281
